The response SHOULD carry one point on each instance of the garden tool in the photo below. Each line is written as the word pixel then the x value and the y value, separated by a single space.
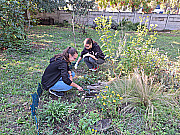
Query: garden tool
pixel 88 90
pixel 39 90
pixel 35 101
pixel 34 106
pixel 90 93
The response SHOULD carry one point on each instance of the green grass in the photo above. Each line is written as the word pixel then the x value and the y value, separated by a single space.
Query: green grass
pixel 20 74
pixel 169 43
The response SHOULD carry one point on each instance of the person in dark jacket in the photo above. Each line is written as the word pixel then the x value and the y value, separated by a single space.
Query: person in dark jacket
pixel 57 76
pixel 92 54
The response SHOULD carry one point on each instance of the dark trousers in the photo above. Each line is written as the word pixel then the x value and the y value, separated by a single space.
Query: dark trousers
pixel 92 63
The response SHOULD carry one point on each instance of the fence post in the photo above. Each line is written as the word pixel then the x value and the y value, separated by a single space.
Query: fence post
pixel 166 21
pixel 150 20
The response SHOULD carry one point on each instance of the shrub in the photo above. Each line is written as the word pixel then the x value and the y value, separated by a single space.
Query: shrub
pixel 87 121
pixel 12 25
pixel 139 53
pixel 113 23
pixel 135 101
pixel 128 25
pixel 108 40
pixel 109 103
pixel 161 109
pixel 65 23
pixel 57 111
pixel 123 56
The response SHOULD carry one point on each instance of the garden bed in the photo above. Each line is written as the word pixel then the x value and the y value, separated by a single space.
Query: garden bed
pixel 115 107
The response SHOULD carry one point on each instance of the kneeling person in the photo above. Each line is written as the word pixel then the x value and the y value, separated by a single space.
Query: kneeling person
pixel 58 77
pixel 92 54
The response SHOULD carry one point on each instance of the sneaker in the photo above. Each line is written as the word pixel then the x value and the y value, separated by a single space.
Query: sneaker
pixel 56 93
pixel 96 68
pixel 92 69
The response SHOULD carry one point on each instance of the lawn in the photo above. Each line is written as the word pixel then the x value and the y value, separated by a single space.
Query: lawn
pixel 169 43
pixel 72 114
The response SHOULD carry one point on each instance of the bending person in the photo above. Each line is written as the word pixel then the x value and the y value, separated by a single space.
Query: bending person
pixel 92 54
pixel 58 77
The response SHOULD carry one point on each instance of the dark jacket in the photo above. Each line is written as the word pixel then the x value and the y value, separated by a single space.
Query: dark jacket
pixel 95 50
pixel 56 69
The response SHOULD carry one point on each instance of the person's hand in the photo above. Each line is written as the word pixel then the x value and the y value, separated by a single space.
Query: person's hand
pixel 87 54
pixel 71 78
pixel 80 88
pixel 75 66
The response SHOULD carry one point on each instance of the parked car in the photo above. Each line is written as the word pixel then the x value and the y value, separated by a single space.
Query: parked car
pixel 158 10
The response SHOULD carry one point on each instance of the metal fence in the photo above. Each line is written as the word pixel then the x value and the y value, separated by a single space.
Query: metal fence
pixel 163 21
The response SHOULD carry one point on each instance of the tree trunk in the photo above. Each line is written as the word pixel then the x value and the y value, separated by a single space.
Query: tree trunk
pixel 88 18
pixel 73 28
pixel 58 12
pixel 84 28
pixel 134 20
pixel 27 17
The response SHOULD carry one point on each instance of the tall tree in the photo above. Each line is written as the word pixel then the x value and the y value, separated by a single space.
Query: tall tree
pixel 147 5
pixel 49 5
pixel 12 24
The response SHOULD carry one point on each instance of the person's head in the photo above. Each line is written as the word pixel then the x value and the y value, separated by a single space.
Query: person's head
pixel 70 54
pixel 88 42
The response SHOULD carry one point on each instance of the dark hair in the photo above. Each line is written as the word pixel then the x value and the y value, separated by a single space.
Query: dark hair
pixel 66 52
pixel 89 41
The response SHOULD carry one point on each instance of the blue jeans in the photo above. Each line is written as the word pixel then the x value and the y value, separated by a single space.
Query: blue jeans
pixel 61 86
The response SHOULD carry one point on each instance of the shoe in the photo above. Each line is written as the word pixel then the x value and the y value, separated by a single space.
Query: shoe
pixel 96 68
pixel 92 69
pixel 56 93
pixel 59 94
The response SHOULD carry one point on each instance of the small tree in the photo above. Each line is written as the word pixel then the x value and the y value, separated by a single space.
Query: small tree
pixel 80 9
